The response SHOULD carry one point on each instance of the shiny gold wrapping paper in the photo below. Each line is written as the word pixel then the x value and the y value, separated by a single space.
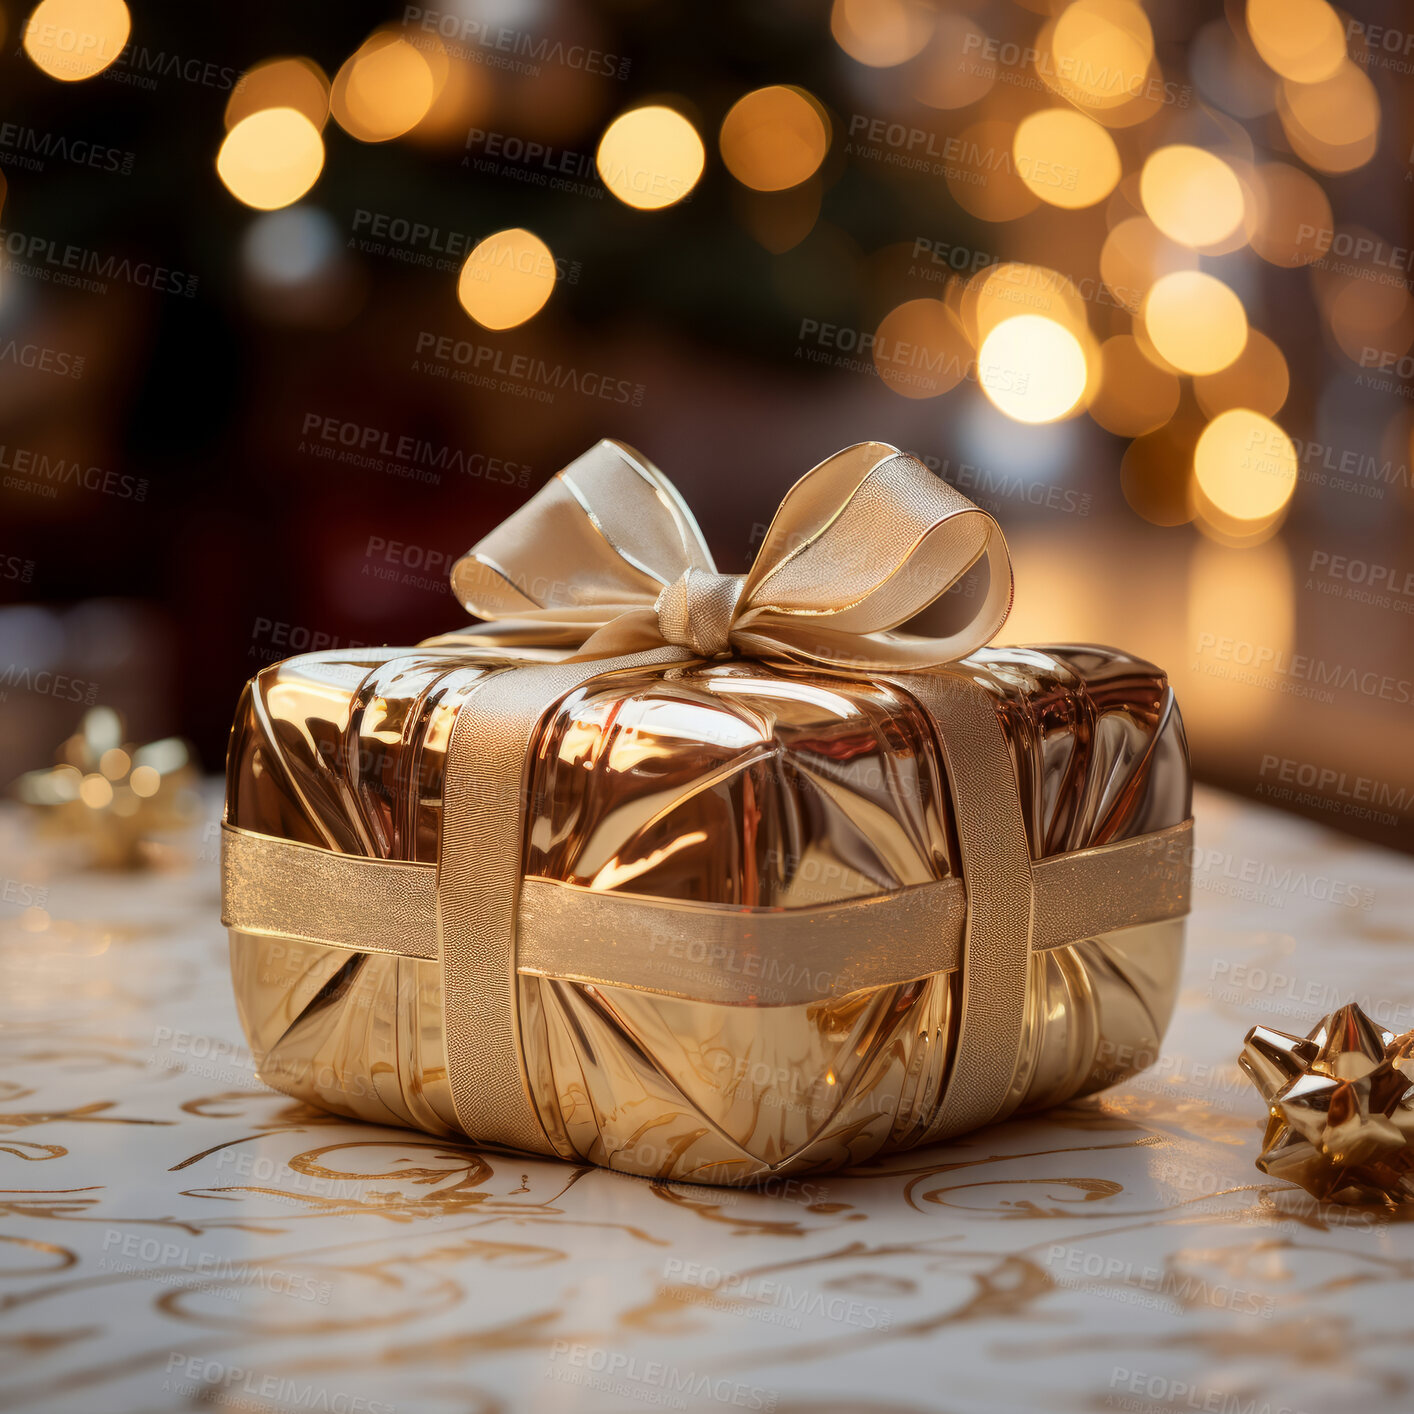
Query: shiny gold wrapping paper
pixel 730 782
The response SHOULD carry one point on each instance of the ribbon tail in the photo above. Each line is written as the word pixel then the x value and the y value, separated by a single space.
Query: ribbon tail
pixel 633 631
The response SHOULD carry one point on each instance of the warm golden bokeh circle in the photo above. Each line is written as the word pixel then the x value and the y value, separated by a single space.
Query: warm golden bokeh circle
pixel 1257 379
pixel 1293 220
pixel 1101 51
pixel 1065 158
pixel 1032 368
pixel 384 89
pixel 1245 466
pixel 1134 255
pixel 1195 321
pixel 271 158
pixel 72 40
pixel 774 138
pixel 1191 195
pixel 1332 125
pixel 296 83
pixel 1015 287
pixel 1156 474
pixel 980 177
pixel 953 71
pixel 882 33
pixel 650 157
pixel 1302 40
pixel 506 279
pixel 1365 314
pixel 920 349
pixel 1134 396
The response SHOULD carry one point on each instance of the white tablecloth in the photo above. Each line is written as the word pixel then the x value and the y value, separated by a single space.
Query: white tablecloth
pixel 173 1236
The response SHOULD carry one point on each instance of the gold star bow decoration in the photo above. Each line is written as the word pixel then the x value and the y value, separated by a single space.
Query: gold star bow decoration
pixel 1340 1108
pixel 112 798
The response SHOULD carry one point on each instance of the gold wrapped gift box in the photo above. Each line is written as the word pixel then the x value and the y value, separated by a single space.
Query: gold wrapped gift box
pixel 709 877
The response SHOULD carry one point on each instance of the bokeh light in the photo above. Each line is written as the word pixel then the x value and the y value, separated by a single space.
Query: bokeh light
pixel 296 271
pixel 1257 378
pixel 1244 466
pixel 506 279
pixel 650 157
pixel 774 138
pixel 71 40
pixel 1192 196
pixel 1247 598
pixel 1101 50
pixel 383 89
pixel 1134 395
pixel 920 349
pixel 1302 40
pixel 1195 321
pixel 465 98
pixel 271 158
pixel 296 83
pixel 779 220
pixel 952 72
pixel 1365 312
pixel 882 33
pixel 980 176
pixel 1333 125
pixel 1156 474
pixel 1065 158
pixel 1032 368
pixel 1015 287
pixel 1134 255
pixel 1293 215
pixel 288 248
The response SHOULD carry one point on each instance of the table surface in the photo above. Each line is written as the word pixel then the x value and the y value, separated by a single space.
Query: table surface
pixel 173 1236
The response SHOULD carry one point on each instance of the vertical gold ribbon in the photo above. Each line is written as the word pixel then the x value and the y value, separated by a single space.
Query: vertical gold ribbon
pixel 996 871
pixel 479 870
pixel 482 858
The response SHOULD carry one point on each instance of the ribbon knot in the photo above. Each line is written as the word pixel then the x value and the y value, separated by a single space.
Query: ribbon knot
pixel 695 611
pixel 606 560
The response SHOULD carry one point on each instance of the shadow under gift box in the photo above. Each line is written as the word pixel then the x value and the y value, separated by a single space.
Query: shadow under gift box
pixel 720 783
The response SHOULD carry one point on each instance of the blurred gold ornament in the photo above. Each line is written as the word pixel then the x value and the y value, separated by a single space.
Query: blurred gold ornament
pixel 1340 1119
pixel 112 797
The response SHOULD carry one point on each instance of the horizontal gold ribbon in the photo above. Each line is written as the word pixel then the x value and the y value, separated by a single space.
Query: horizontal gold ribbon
pixel 721 953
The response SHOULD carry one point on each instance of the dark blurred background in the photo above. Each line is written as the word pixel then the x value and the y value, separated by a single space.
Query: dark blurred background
pixel 1135 278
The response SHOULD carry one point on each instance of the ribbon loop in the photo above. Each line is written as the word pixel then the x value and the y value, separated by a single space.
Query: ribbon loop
pixel 608 558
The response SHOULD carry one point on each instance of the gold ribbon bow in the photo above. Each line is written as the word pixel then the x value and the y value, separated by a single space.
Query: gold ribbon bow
pixel 608 559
